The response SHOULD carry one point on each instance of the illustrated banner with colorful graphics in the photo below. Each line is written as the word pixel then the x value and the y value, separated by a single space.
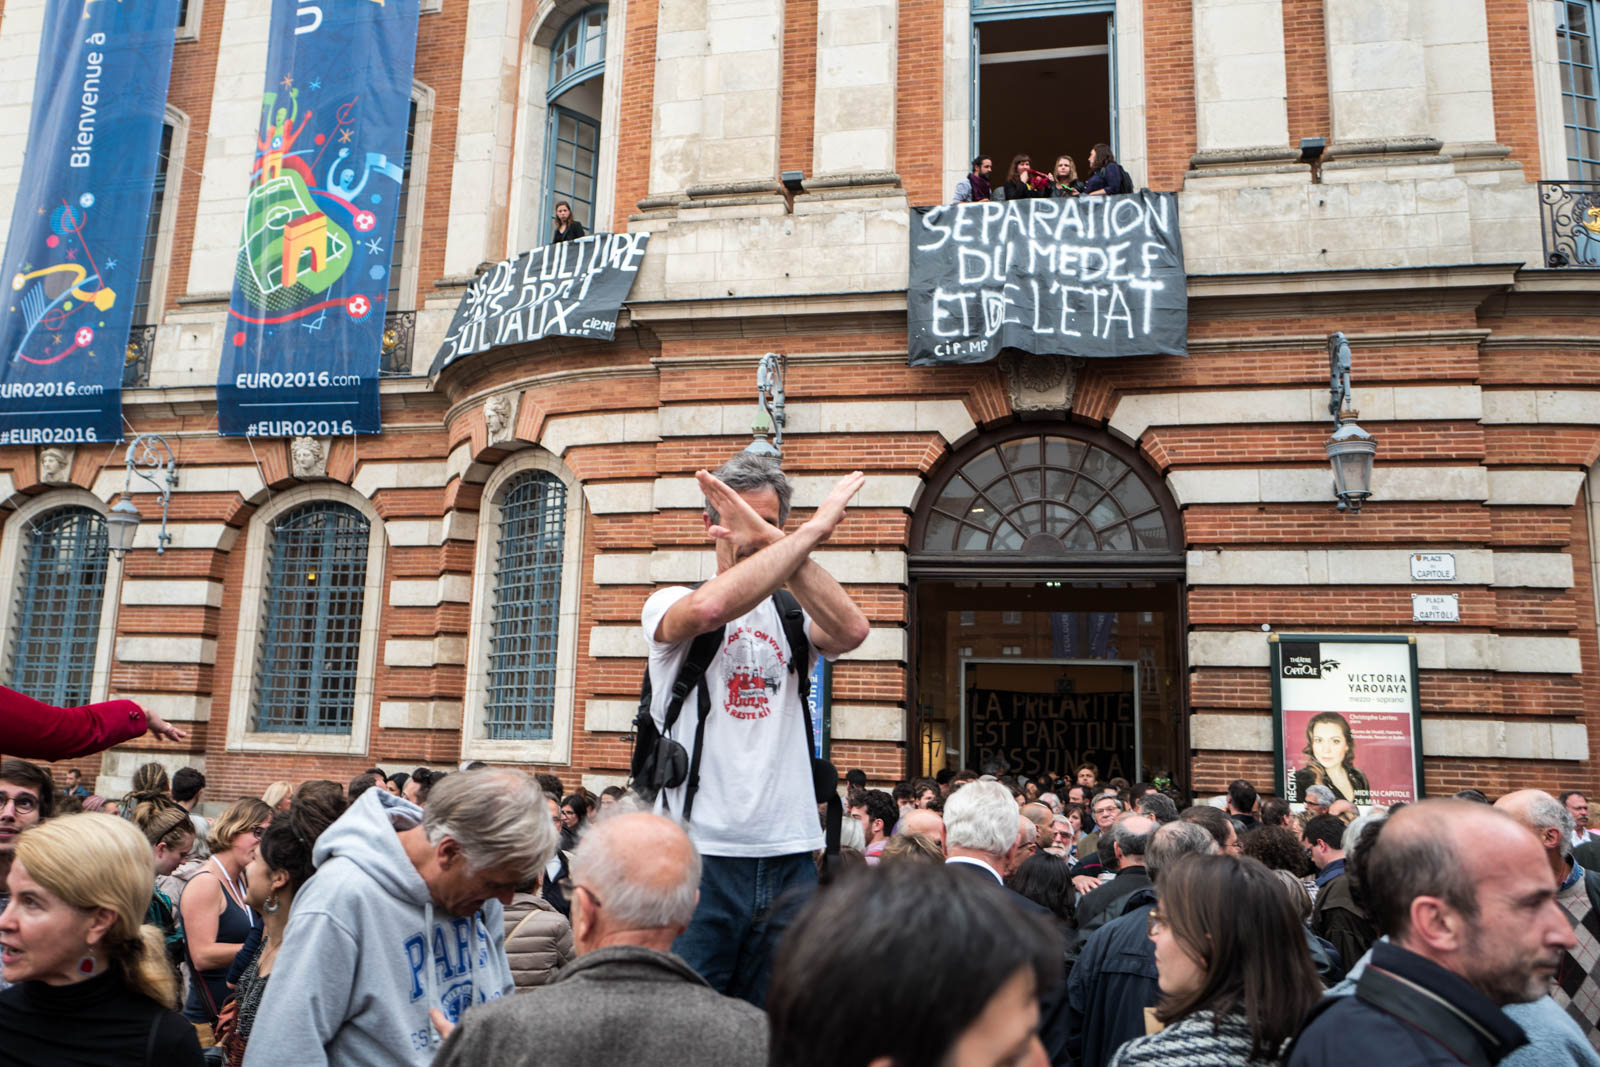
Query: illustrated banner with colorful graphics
pixel 73 253
pixel 305 326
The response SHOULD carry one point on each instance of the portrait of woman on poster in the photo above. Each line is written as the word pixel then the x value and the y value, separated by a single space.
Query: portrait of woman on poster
pixel 1330 760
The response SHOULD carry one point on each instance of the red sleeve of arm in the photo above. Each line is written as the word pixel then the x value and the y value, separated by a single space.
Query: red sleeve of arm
pixel 35 730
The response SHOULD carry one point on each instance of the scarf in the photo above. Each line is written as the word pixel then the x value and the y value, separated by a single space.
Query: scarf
pixel 980 187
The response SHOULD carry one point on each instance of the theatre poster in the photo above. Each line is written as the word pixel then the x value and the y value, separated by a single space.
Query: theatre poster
pixel 1346 714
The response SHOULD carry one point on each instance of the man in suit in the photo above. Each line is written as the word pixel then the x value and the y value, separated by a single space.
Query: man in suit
pixel 983 838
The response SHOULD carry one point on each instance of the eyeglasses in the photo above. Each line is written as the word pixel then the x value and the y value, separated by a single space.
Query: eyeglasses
pixel 1156 922
pixel 25 803
pixel 259 828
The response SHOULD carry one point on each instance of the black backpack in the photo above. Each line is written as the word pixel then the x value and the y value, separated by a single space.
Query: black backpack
pixel 659 762
pixel 1126 184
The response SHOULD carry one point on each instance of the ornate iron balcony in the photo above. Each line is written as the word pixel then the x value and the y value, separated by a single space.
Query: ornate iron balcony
pixel 1569 214
pixel 399 330
pixel 136 363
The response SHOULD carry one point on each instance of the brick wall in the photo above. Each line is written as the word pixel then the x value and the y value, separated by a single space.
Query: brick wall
pixel 919 100
pixel 1305 53
pixel 797 113
pixel 1169 90
pixel 1511 73
pixel 635 116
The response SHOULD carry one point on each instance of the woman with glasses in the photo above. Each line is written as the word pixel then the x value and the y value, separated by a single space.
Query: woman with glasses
pixel 1236 978
pixel 216 917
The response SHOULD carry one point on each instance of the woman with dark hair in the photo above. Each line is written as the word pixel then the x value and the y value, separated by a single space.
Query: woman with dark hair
pixel 567 227
pixel 282 864
pixel 1022 181
pixel 1330 754
pixel 1236 978
pixel 1047 881
pixel 1108 175
pixel 574 814
pixel 956 972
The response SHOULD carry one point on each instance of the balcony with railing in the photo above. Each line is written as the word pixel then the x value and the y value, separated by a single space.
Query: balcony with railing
pixel 399 331
pixel 136 361
pixel 1569 222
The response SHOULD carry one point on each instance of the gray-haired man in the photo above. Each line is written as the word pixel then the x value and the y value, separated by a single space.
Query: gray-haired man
pixel 626 999
pixel 754 817
pixel 401 930
pixel 1318 799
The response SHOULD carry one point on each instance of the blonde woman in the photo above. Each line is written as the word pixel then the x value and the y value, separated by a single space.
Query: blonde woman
pixel 216 917
pixel 92 984
pixel 278 795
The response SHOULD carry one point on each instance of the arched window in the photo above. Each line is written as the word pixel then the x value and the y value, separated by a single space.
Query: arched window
pixel 523 635
pixel 572 135
pixel 311 630
pixel 1046 495
pixel 57 613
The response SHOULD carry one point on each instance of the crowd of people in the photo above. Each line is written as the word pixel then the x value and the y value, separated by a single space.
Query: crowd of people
pixel 998 920
pixel 1024 182
pixel 730 908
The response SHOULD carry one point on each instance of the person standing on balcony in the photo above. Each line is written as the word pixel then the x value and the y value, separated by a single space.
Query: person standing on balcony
pixel 975 186
pixel 567 227
pixel 1107 175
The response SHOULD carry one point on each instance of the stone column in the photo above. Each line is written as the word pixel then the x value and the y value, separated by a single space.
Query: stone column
pixel 1456 58
pixel 481 177
pixel 1240 80
pixel 743 67
pixel 682 42
pixel 855 102
pixel 1377 70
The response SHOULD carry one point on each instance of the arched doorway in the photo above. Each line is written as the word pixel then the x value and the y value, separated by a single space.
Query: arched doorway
pixel 1047 570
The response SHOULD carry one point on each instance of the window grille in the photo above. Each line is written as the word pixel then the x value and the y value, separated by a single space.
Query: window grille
pixel 1580 88
pixel 527 606
pixel 58 600
pixel 311 633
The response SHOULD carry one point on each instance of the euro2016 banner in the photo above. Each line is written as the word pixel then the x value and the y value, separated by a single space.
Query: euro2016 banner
pixel 305 325
pixel 1087 276
pixel 76 241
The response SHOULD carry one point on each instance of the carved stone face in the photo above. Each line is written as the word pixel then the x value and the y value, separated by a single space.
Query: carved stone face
pixel 53 465
pixel 306 455
pixel 497 415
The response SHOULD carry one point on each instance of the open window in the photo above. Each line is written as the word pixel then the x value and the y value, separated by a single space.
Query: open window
pixel 572 136
pixel 1043 83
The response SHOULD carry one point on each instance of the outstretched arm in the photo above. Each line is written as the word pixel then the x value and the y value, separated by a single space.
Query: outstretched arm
pixel 747 583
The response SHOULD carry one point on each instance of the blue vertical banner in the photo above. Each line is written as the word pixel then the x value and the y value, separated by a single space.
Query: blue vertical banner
pixel 76 240
pixel 305 325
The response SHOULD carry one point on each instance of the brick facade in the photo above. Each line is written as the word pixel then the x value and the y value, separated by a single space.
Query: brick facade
pixel 1475 374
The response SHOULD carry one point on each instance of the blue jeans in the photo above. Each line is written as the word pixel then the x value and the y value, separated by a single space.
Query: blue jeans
pixel 745 906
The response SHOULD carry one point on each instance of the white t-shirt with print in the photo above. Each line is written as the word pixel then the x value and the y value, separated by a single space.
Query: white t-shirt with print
pixel 755 798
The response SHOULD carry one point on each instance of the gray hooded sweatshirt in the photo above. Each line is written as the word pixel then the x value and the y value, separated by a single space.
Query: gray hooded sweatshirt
pixel 364 955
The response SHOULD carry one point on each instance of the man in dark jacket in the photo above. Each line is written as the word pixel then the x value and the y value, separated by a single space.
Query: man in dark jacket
pixel 1470 911
pixel 626 999
pixel 1115 978
pixel 1336 918
pixel 1130 837
pixel 983 834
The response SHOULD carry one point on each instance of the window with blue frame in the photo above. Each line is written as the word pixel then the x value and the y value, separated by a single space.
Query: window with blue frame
pixel 1580 87
pixel 56 618
pixel 142 313
pixel 526 608
pixel 311 631
pixel 572 134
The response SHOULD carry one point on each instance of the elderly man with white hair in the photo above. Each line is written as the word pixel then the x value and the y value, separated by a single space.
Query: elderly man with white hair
pixel 1318 800
pixel 401 929
pixel 626 999
pixel 984 836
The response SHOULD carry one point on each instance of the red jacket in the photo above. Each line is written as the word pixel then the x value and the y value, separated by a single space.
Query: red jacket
pixel 35 730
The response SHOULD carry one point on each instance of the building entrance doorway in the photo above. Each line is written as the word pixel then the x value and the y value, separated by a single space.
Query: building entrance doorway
pixel 1047 588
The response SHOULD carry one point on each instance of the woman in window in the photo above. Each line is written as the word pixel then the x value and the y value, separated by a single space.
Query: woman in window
pixel 1235 974
pixel 1023 182
pixel 216 917
pixel 92 985
pixel 567 227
